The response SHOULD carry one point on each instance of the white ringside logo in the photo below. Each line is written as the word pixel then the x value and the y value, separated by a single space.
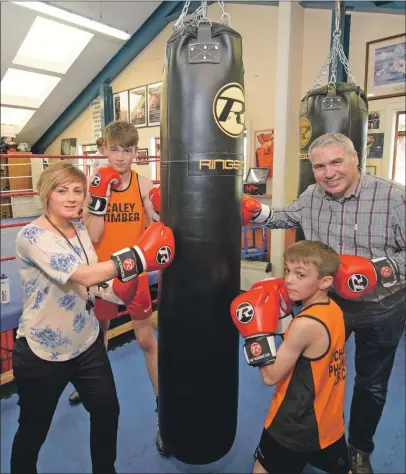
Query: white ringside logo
pixel 357 282
pixel 245 312
pixel 95 180
pixel 163 255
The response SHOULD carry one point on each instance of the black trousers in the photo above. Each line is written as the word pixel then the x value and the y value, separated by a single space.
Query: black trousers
pixel 40 384
pixel 377 329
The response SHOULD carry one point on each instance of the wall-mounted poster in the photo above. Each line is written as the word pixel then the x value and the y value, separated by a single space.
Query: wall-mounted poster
pixel 375 145
pixel 370 170
pixel 385 72
pixel 120 106
pixel 68 146
pixel 264 149
pixel 154 104
pixel 374 119
pixel 141 156
pixel 97 118
pixel 138 106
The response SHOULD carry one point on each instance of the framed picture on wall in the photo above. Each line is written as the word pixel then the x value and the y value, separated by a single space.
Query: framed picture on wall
pixel 68 146
pixel 385 71
pixel 154 104
pixel 264 149
pixel 120 106
pixel 374 120
pixel 141 156
pixel 375 142
pixel 371 170
pixel 138 106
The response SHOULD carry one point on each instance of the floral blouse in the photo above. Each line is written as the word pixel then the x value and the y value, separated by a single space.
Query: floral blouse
pixel 55 320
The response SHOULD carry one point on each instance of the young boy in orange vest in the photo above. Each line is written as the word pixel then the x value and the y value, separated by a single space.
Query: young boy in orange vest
pixel 305 423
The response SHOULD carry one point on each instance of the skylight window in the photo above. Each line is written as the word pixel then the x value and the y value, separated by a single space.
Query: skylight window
pixel 17 118
pixel 52 46
pixel 74 19
pixel 26 89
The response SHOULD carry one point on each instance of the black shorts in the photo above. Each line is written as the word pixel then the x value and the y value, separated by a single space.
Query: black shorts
pixel 276 459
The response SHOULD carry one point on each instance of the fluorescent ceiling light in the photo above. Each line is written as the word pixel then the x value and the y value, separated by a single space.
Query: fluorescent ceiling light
pixel 75 19
pixel 17 118
pixel 51 46
pixel 26 89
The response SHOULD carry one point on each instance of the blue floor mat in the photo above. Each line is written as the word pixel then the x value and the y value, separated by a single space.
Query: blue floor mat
pixel 67 446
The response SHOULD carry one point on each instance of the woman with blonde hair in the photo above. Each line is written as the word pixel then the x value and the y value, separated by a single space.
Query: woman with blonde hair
pixel 58 338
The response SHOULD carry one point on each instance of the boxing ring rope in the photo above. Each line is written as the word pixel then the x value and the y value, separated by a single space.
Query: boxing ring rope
pixel 86 164
pixel 7 338
pixel 10 194
pixel 63 157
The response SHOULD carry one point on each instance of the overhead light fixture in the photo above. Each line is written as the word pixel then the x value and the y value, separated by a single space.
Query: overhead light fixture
pixel 26 89
pixel 52 46
pixel 74 19
pixel 15 119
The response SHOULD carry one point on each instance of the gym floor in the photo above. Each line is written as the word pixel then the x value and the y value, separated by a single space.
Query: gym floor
pixel 67 446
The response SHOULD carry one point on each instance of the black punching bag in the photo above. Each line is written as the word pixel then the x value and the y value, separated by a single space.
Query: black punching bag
pixel 202 126
pixel 339 107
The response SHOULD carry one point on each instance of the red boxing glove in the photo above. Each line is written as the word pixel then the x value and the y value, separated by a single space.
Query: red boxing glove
pixel 253 210
pixel 256 314
pixel 104 179
pixel 118 292
pixel 133 294
pixel 155 250
pixel 155 198
pixel 357 275
pixel 285 303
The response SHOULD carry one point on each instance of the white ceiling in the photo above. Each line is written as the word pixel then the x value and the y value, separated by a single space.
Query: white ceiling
pixel 15 24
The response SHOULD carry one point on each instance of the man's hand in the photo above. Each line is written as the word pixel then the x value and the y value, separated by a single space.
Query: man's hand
pixel 358 275
pixel 253 210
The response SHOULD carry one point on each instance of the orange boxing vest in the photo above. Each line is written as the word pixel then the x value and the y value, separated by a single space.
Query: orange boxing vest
pixel 307 409
pixel 124 220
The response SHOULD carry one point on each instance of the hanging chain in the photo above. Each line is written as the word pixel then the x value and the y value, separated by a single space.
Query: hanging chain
pixel 180 21
pixel 225 17
pixel 199 15
pixel 336 51
pixel 338 14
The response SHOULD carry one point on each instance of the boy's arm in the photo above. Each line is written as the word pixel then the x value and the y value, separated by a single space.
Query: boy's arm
pixel 302 334
pixel 94 224
pixel 145 187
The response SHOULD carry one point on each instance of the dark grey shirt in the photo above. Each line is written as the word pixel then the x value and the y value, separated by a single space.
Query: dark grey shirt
pixel 370 223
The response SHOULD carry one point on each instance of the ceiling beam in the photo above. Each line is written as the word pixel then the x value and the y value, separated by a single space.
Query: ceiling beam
pixel 129 51
pixel 394 7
